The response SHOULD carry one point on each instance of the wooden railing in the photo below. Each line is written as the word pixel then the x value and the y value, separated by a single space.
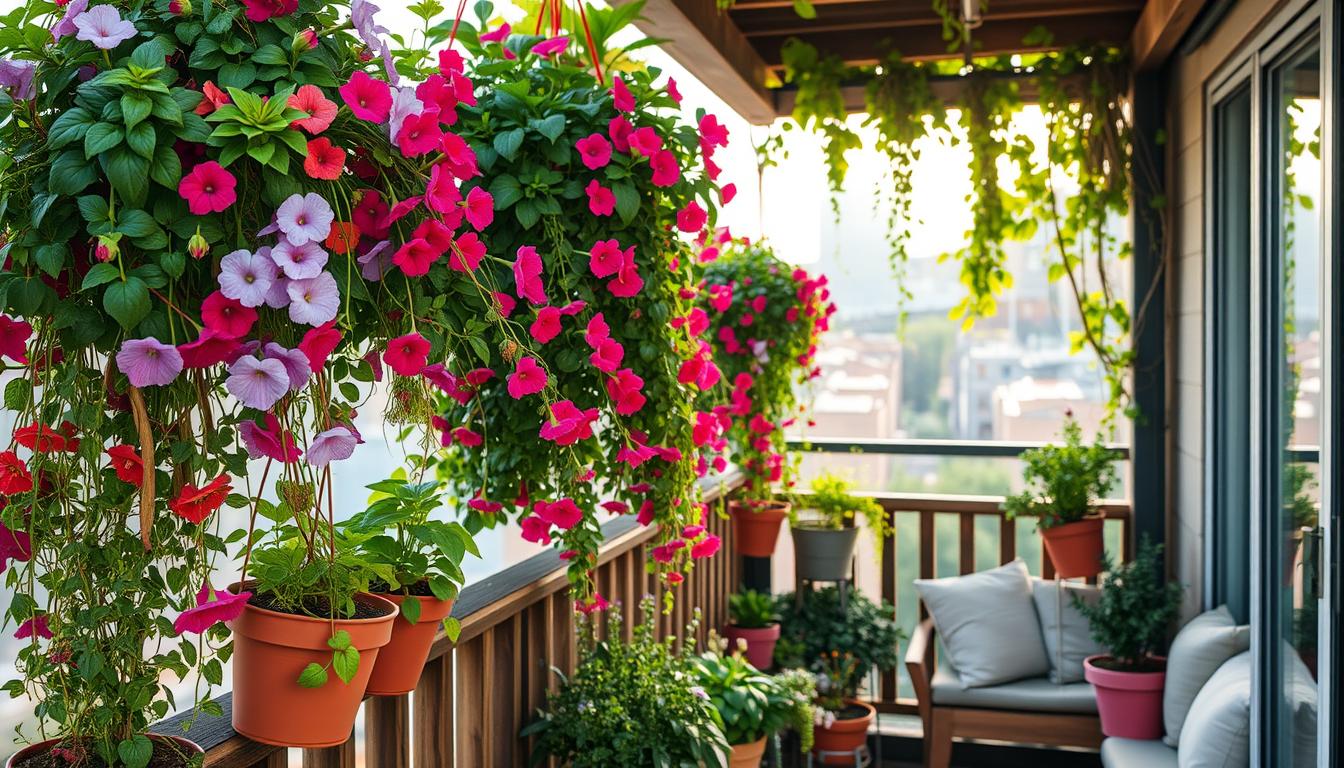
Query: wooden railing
pixel 477 694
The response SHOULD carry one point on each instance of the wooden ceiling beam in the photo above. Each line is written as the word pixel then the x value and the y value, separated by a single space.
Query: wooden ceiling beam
pixel 1160 28
pixel 947 90
pixel 711 47
pixel 861 16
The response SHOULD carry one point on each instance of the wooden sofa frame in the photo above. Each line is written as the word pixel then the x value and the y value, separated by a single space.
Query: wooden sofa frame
pixel 944 723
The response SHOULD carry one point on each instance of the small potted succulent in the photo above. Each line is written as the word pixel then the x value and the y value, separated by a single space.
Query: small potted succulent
pixel 1064 483
pixel 418 562
pixel 840 642
pixel 310 614
pixel 753 705
pixel 632 703
pixel 755 624
pixel 1130 619
pixel 824 530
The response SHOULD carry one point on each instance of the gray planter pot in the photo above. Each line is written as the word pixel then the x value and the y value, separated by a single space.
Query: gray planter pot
pixel 824 555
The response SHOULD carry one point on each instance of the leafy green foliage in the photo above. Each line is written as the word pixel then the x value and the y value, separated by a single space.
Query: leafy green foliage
pixel 1136 607
pixel 819 106
pixel 630 704
pixel 1063 482
pixel 813 632
pixel 752 704
pixel 832 507
pixel 750 609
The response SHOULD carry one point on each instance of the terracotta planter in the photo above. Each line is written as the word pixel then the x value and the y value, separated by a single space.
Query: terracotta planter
pixel 1130 703
pixel 1075 548
pixel 756 526
pixel 270 649
pixel 760 643
pixel 747 755
pixel 33 750
pixel 843 737
pixel 822 554
pixel 401 661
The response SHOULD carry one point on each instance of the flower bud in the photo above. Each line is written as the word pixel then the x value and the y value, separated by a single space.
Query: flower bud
pixel 509 351
pixel 179 7
pixel 108 247
pixel 304 40
pixel 197 245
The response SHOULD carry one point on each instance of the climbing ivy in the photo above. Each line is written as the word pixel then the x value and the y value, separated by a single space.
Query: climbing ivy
pixel 819 105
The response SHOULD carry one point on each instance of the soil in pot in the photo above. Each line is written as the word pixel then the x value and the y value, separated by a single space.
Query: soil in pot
pixel 401 661
pixel 756 526
pixel 846 734
pixel 271 648
pixel 1075 548
pixel 166 755
pixel 760 643
pixel 1129 701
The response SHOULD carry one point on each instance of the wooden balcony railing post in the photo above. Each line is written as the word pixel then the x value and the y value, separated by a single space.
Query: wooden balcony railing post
pixel 387 722
pixel 331 757
pixel 433 715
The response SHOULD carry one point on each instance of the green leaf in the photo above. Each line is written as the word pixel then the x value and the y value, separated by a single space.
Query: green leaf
pixel 51 257
pixel 128 302
pixel 551 127
pixel 238 75
pixel 135 107
pixel 508 143
pixel 410 610
pixel 506 191
pixel 627 200
pixel 17 394
pixel 70 173
pixel 313 676
pixel 452 628
pixel 128 173
pixel 173 263
pixel 339 641
pixel 135 223
pixel 346 663
pixel 136 751
pixel 102 137
pixel 166 167
pixel 270 55
pixel 93 208
pixel 141 139
pixel 69 127
pixel 804 9
pixel 148 55
pixel 98 274
pixel 194 128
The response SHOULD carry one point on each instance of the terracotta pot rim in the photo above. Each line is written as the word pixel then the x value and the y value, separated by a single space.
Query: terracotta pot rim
pixel 760 506
pixel 395 610
pixel 849 723
pixel 774 625
pixel 34 749
pixel 1121 679
pixel 1088 520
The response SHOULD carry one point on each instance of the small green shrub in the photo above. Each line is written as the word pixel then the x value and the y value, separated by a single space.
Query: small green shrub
pixel 750 609
pixel 835 508
pixel 752 704
pixel 1065 481
pixel 812 632
pixel 1135 608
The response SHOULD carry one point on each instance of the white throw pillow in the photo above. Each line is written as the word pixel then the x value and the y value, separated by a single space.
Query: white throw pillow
pixel 1067 633
pixel 988 624
pixel 1199 649
pixel 1217 730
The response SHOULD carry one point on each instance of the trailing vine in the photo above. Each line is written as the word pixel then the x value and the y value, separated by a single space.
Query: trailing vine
pixel 820 106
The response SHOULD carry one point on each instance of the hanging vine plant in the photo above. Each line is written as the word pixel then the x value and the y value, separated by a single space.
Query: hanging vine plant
pixel 819 106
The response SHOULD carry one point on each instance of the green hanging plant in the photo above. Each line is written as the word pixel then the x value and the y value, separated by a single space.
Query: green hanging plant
pixel 820 106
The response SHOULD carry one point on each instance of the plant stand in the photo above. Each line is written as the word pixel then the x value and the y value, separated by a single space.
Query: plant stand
pixel 843 585
pixel 861 756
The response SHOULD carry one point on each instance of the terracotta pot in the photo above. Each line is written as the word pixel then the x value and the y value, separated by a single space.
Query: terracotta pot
pixel 1075 548
pixel 1130 703
pixel 756 526
pixel 270 649
pixel 843 737
pixel 747 755
pixel 401 661
pixel 33 750
pixel 760 643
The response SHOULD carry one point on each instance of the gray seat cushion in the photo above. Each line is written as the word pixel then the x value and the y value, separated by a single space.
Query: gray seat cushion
pixel 1217 730
pixel 987 622
pixel 1198 650
pixel 1034 694
pixel 1068 636
pixel 1137 753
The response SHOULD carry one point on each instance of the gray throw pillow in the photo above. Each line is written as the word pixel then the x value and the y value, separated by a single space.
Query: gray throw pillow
pixel 1217 730
pixel 1068 636
pixel 1199 649
pixel 987 624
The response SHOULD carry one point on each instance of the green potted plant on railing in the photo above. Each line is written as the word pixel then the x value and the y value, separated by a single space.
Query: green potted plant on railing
pixel 824 528
pixel 753 623
pixel 1130 620
pixel 424 558
pixel 1064 484
pixel 753 705
pixel 632 703
pixel 765 320
pixel 841 639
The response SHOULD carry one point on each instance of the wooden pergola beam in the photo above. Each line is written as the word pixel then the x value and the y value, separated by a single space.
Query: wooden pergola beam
pixel 1159 30
pixel 711 47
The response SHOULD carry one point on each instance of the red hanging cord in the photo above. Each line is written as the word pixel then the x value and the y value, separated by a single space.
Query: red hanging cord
pixel 461 9
pixel 592 46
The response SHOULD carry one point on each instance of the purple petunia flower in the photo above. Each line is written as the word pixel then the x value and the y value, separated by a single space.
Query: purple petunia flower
pixel 257 383
pixel 375 262
pixel 104 27
pixel 295 362
pixel 299 262
pixel 17 76
pixel 305 218
pixel 334 444
pixel 149 362
pixel 278 296
pixel 246 277
pixel 66 26
pixel 361 17
pixel 314 301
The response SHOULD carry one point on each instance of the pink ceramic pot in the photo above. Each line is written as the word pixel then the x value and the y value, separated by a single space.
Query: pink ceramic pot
pixel 760 643
pixel 1130 703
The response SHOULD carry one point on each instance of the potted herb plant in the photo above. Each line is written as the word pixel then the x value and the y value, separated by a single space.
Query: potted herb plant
pixel 1063 486
pixel 754 623
pixel 419 562
pixel 634 703
pixel 825 533
pixel 1130 619
pixel 765 320
pixel 753 705
pixel 840 641
pixel 306 642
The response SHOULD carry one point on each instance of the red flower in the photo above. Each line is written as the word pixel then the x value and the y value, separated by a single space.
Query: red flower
pixel 344 237
pixel 263 10
pixel 480 208
pixel 14 545
pixel 415 257
pixel 318 343
pixel 227 316
pixel 467 252
pixel 127 464
pixel 625 389
pixel 324 161
pixel 692 218
pixel 527 270
pixel 43 439
pixel 407 355
pixel 210 348
pixel 14 339
pixel 14 475
pixel 546 326
pixel 605 258
pixel 369 99
pixel 619 129
pixel 594 151
pixel 622 99
pixel 321 110
pixel 601 201
pixel 645 142
pixel 666 172
pixel 420 134
pixel 226 606
pixel 208 188
pixel 528 378
pixel 214 99
pixel 196 504
pixel 370 214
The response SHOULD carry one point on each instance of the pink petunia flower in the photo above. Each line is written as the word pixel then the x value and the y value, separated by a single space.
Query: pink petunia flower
pixel 672 91
pixel 295 362
pixel 467 438
pixel 227 316
pixel 299 262
pixel 207 188
pixel 527 378
pixel 622 99
pixel 415 257
pixel 546 326
pixel 324 161
pixel 149 362
pixel 247 277
pixel 619 129
pixel 552 47
pixel 420 134
pixel 270 441
pixel 37 626
pixel 666 172
pixel 645 142
pixel 535 529
pixel 225 606
pixel 568 424
pixel 14 335
pixel 314 301
pixel 442 193
pixel 607 355
pixel 527 268
pixel 321 110
pixel 408 354
pixel 706 547
pixel 318 344
pixel 104 27
pixel 335 444
pixel 601 201
pixel 597 330
pixel 467 252
pixel 305 218
pixel 369 99
pixel 480 208
pixel 594 151
pixel 499 35
pixel 257 383
pixel 563 514
pixel 627 283
pixel 210 348
pixel 625 390
pixel 692 218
